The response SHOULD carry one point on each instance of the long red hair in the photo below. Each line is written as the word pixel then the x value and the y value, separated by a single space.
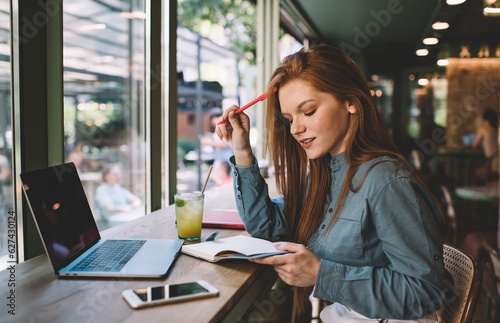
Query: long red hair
pixel 304 183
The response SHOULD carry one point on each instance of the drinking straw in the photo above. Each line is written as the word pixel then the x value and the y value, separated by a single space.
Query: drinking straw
pixel 206 181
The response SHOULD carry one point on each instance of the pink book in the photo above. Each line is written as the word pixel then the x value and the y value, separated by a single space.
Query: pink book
pixel 227 219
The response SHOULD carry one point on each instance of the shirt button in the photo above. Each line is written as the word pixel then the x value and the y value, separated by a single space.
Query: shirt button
pixel 322 226
pixel 235 173
pixel 436 257
pixel 239 197
pixel 330 210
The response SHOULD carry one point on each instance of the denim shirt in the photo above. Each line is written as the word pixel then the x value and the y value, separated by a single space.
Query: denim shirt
pixel 383 255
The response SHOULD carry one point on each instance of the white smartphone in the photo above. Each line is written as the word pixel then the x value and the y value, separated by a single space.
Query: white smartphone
pixel 165 294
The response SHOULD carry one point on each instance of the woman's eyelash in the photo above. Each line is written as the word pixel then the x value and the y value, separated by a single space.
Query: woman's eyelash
pixel 290 121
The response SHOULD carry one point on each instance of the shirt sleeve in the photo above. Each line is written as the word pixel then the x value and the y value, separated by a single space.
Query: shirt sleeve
pixel 102 197
pixel 127 194
pixel 414 283
pixel 262 216
pixel 479 137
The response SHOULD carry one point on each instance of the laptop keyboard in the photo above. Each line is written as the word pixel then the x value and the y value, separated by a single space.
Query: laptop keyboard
pixel 110 256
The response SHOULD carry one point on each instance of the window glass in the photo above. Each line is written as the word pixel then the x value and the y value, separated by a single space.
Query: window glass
pixel 207 83
pixel 7 219
pixel 216 68
pixel 427 92
pixel 104 106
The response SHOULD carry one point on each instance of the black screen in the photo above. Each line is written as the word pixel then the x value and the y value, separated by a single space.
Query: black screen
pixel 177 290
pixel 61 211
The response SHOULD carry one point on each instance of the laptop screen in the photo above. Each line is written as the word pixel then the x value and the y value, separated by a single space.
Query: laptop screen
pixel 61 212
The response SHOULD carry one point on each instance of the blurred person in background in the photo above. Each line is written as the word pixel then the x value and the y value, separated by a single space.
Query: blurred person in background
pixel 79 156
pixel 5 174
pixel 112 198
pixel 487 137
pixel 221 149
pixel 221 173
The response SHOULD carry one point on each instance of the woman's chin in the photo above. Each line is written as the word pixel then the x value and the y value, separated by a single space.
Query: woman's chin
pixel 314 155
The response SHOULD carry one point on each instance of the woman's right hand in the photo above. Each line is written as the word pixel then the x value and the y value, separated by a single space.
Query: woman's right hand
pixel 236 131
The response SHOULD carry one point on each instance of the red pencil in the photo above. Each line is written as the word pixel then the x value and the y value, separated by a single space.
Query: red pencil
pixel 243 108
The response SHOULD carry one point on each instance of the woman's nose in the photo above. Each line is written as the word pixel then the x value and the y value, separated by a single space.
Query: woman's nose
pixel 296 127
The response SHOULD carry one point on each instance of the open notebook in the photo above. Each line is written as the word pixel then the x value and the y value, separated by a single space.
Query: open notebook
pixel 236 247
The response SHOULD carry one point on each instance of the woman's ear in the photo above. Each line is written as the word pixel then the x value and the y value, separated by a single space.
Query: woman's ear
pixel 351 108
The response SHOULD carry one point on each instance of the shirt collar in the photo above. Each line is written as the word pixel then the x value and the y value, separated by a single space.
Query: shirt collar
pixel 338 162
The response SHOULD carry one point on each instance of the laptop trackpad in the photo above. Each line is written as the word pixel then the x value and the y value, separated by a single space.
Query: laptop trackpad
pixel 154 257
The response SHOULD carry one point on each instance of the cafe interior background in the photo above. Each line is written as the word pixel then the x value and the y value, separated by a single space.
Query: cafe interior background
pixel 132 84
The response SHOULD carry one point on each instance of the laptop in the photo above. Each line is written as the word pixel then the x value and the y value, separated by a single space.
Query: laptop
pixel 71 238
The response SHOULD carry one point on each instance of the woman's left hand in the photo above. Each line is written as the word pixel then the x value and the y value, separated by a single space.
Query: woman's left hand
pixel 299 268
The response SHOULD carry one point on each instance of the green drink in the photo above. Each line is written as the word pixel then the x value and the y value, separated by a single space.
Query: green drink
pixel 189 214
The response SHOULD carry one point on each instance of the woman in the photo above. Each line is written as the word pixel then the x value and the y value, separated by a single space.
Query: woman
pixel 115 203
pixel 487 135
pixel 365 230
pixel 220 148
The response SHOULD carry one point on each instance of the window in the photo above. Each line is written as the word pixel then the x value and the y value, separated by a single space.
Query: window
pixel 104 104
pixel 7 224
pixel 215 70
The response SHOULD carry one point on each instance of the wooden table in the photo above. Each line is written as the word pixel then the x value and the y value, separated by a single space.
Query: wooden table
pixel 489 192
pixel 41 297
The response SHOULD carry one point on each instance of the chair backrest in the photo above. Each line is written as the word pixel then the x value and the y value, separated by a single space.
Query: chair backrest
pixel 495 263
pixel 467 277
pixel 415 159
pixel 451 217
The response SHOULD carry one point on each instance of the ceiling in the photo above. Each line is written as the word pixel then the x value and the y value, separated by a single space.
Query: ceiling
pixel 388 31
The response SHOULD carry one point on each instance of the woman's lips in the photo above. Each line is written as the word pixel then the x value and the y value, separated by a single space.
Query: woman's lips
pixel 306 143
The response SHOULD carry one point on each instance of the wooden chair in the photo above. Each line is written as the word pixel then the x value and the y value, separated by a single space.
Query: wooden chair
pixel 491 280
pixel 467 277
pixel 451 235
